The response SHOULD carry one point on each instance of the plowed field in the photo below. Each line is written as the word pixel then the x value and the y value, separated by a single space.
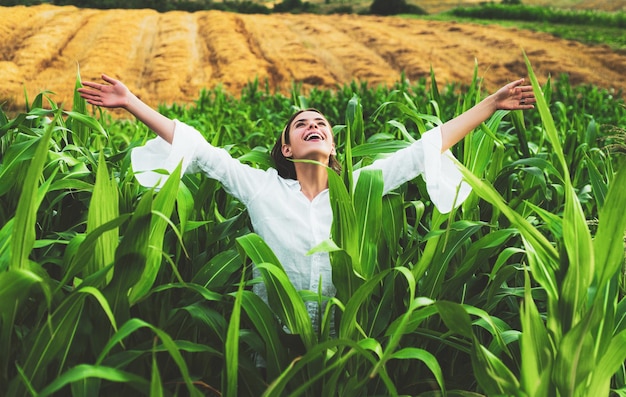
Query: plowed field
pixel 170 57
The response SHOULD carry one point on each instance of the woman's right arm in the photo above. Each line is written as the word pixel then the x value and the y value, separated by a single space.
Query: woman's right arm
pixel 117 95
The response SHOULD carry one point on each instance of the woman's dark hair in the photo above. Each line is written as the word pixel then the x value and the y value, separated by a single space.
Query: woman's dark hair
pixel 285 166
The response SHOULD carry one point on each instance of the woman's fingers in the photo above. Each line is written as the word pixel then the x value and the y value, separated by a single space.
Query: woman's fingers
pixel 108 79
pixel 92 85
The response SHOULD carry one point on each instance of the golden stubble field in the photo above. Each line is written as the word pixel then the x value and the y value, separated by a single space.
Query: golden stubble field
pixel 170 57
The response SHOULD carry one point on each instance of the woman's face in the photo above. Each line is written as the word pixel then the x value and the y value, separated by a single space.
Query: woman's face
pixel 310 137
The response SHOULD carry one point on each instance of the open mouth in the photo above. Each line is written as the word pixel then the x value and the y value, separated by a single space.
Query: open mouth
pixel 314 136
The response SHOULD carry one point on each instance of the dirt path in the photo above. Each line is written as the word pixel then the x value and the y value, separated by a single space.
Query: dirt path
pixel 170 57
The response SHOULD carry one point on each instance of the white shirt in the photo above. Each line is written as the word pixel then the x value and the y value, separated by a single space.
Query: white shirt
pixel 280 213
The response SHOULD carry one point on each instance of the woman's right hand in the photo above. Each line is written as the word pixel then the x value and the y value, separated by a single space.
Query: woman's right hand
pixel 112 95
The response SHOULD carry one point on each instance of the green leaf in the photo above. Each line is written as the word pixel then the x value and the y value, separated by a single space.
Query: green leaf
pixel 15 288
pixel 170 345
pixel 536 347
pixel 456 238
pixel 54 338
pixel 12 160
pixel 162 208
pixel 574 361
pixel 414 353
pixel 277 387
pixel 282 295
pixel 79 257
pixel 368 210
pixel 344 229
pixel 349 321
pixel 231 349
pixel 493 376
pixel 345 279
pixel 87 121
pixel 156 388
pixel 219 270
pixel 544 259
pixel 15 285
pixel 607 365
pixel 287 303
pixel 393 222
pixel 455 317
pixel 599 186
pixel 265 323
pixel 23 238
pixel 85 371
pixel 130 259
pixel 104 207
pixel 608 244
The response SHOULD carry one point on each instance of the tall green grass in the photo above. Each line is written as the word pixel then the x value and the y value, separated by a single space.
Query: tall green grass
pixel 543 14
pixel 586 26
pixel 107 288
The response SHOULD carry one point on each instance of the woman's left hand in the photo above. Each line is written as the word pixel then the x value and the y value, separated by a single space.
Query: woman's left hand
pixel 515 96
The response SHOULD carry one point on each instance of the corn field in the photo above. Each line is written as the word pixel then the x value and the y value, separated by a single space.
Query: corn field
pixel 108 288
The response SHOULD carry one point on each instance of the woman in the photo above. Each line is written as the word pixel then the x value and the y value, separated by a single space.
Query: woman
pixel 289 206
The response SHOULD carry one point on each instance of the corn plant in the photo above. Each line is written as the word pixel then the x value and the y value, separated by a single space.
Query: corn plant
pixel 578 348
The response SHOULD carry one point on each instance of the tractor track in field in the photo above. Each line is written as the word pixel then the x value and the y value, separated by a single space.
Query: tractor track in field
pixel 171 57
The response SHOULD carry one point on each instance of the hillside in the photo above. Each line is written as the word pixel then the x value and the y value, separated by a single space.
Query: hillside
pixel 436 6
pixel 170 57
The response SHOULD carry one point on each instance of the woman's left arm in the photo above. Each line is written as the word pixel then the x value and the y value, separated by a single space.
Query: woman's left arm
pixel 513 96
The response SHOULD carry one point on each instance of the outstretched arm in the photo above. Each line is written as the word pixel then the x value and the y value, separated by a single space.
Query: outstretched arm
pixel 116 95
pixel 513 96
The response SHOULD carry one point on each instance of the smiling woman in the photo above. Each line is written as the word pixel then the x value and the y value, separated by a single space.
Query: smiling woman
pixel 320 128
pixel 289 206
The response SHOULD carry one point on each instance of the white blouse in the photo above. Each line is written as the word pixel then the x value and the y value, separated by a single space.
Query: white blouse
pixel 280 213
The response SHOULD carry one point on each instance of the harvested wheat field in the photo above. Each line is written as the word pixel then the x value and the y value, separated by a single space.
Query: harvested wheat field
pixel 170 57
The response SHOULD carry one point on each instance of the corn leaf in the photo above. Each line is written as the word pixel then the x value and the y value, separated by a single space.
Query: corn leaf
pixel 536 348
pixel 231 349
pixel 164 203
pixel 574 361
pixel 609 240
pixel 15 285
pixel 349 320
pixel 219 270
pixel 266 325
pixel 15 289
pixel 170 345
pixel 457 237
pixel 104 207
pixel 492 374
pixel 607 365
pixel 576 236
pixel 156 388
pixel 368 210
pixel 13 159
pixel 287 303
pixel 344 230
pixel 130 259
pixel 414 353
pixel 277 387
pixel 23 238
pixel 82 372
pixel 543 269
pixel 51 341
pixel 282 295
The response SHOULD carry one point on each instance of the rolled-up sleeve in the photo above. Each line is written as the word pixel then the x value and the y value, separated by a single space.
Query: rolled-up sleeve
pixel 444 181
